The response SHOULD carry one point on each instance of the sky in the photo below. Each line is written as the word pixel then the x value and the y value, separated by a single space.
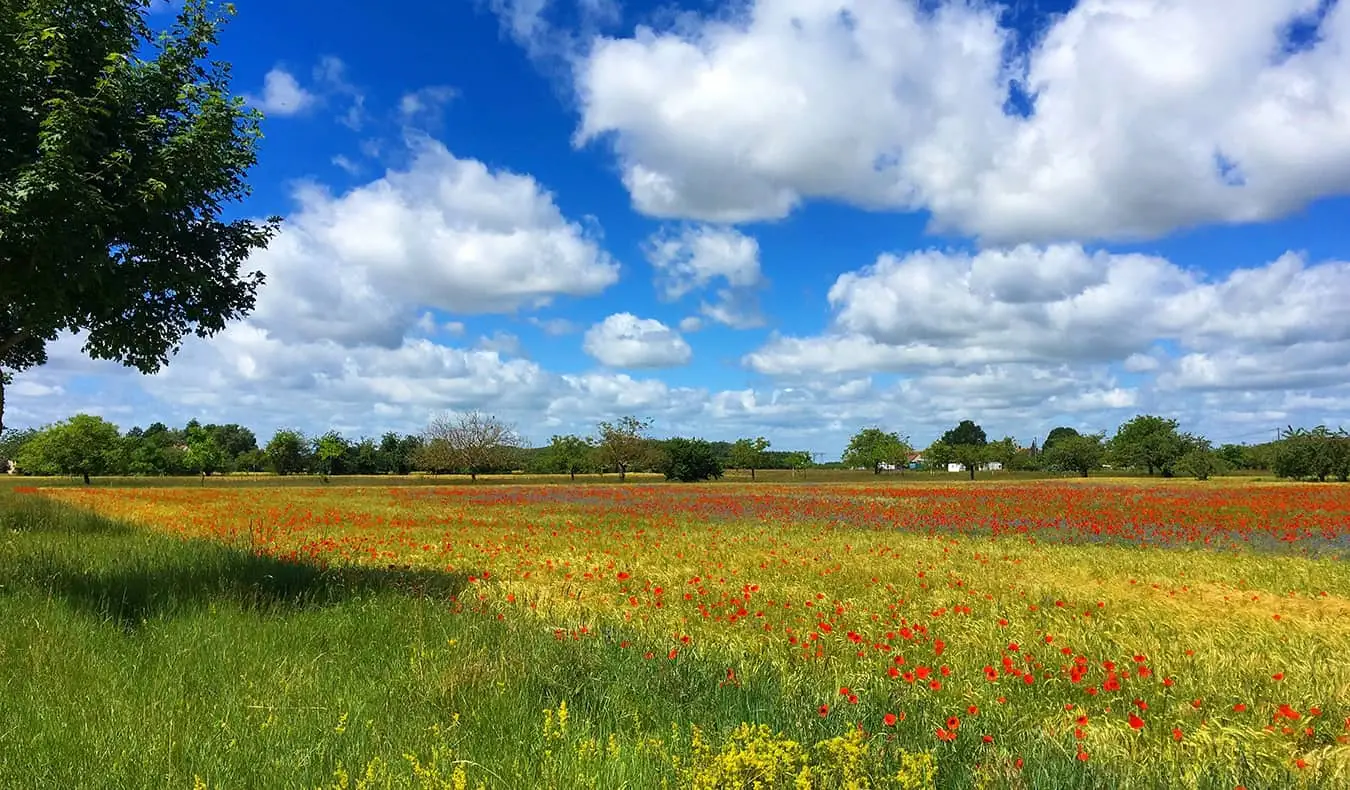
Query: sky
pixel 789 218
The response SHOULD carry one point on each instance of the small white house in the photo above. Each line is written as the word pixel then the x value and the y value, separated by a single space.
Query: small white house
pixel 988 466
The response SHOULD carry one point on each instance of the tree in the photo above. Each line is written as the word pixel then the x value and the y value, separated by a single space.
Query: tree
pixel 286 451
pixel 397 453
pixel 84 445
pixel 1062 432
pixel 120 149
pixel 967 442
pixel 748 454
pixel 328 451
pixel 1200 462
pixel 873 447
pixel 478 443
pixel 1149 442
pixel 1003 452
pixel 690 460
pixel 1318 453
pixel 623 443
pixel 204 454
pixel 569 455
pixel 1075 452
pixel 10 442
pixel 797 460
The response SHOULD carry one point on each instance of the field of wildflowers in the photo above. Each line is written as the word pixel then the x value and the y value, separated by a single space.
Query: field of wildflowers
pixel 1012 635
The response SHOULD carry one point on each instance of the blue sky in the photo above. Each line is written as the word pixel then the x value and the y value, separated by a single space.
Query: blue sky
pixel 792 218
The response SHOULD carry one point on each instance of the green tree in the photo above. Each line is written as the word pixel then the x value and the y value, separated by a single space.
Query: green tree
pixel 569 455
pixel 10 442
pixel 120 149
pixel 872 448
pixel 1062 432
pixel 1077 452
pixel 84 445
pixel 623 443
pixel 1003 452
pixel 204 454
pixel 328 451
pixel 286 452
pixel 748 454
pixel 967 442
pixel 1200 462
pixel 797 460
pixel 1149 442
pixel 690 460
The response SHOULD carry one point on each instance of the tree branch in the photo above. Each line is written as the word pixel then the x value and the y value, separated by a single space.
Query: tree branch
pixel 9 343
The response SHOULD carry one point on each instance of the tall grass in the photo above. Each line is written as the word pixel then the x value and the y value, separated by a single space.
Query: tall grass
pixel 133 659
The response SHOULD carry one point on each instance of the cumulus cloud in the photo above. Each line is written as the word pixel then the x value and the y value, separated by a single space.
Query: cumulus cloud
pixel 625 341
pixel 282 94
pixel 1125 119
pixel 697 256
pixel 1059 326
pixel 446 233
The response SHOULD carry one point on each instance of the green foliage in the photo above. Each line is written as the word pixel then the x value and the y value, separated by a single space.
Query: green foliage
pixel 1079 453
pixel 329 450
pixel 690 460
pixel 1200 462
pixel 1316 453
pixel 1062 432
pixel 623 443
pixel 287 452
pixel 120 149
pixel 967 432
pixel 873 447
pixel 1149 442
pixel 570 455
pixel 84 445
pixel 748 454
pixel 204 453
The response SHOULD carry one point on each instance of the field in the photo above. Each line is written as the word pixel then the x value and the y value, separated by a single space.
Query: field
pixel 1026 634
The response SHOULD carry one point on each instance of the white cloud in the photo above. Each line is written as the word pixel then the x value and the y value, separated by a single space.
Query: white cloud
pixel 331 74
pixel 1061 304
pixel 691 323
pixel 696 256
pixel 1149 115
pixel 283 95
pixel 445 233
pixel 625 341
pixel 344 162
pixel 554 327
pixel 503 343
pixel 423 106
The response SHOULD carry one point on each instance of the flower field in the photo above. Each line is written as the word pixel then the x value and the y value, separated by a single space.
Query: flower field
pixel 1000 635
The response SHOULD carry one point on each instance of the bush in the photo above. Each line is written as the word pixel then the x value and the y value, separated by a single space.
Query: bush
pixel 690 460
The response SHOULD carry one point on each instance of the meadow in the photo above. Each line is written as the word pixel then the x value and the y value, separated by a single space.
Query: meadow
pixel 1022 634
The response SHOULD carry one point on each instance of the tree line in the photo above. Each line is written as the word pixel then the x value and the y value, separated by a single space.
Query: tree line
pixel 1146 443
pixel 475 443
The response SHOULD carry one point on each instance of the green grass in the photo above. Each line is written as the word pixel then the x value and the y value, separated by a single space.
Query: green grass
pixel 132 659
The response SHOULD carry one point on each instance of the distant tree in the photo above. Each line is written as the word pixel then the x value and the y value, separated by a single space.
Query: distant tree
pixel 84 445
pixel 328 451
pixel 623 443
pixel 363 457
pixel 10 442
pixel 748 454
pixel 204 455
pixel 1234 456
pixel 1316 453
pixel 1003 452
pixel 967 442
pixel 938 455
pixel 251 461
pixel 1075 452
pixel 121 147
pixel 434 455
pixel 872 448
pixel 690 460
pixel 797 460
pixel 1149 442
pixel 569 455
pixel 1200 462
pixel 233 440
pixel 396 453
pixel 286 452
pixel 478 443
pixel 1062 432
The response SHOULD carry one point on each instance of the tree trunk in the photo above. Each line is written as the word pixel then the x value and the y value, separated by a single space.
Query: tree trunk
pixel 473 476
pixel 752 473
pixel 86 478
pixel 2 403
pixel 623 470
pixel 971 469
pixel 573 473
pixel 1084 471
pixel 876 470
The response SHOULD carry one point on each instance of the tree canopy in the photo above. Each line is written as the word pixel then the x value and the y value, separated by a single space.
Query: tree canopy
pixel 1075 452
pixel 1149 442
pixel 872 448
pixel 623 443
pixel 748 454
pixel 120 148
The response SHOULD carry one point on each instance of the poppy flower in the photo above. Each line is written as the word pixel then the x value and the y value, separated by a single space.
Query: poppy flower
pixel 889 719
